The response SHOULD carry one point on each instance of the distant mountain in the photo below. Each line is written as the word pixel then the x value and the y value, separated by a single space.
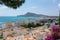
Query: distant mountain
pixel 29 14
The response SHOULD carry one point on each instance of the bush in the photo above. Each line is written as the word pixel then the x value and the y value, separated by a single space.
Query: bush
pixel 39 24
pixel 25 25
pixel 32 25
pixel 56 32
pixel 1 36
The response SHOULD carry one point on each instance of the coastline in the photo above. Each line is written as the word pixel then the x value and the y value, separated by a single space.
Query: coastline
pixel 13 28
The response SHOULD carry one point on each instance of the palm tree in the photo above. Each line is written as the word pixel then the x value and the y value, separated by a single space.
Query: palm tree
pixel 12 3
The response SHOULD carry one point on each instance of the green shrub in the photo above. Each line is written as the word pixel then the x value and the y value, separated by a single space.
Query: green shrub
pixel 1 36
pixel 32 25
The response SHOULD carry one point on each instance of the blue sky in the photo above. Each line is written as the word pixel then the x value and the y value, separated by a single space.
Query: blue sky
pixel 46 7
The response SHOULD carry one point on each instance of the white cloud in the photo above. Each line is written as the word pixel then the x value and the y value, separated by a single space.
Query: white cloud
pixel 59 4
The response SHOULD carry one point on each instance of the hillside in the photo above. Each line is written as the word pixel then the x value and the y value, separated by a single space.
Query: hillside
pixel 29 14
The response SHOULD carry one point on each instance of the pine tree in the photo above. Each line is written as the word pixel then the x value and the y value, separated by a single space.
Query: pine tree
pixel 12 3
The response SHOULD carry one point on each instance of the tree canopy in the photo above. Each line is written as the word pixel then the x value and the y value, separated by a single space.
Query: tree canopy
pixel 12 3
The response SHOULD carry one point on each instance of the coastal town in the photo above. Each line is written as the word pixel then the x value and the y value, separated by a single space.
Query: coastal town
pixel 15 31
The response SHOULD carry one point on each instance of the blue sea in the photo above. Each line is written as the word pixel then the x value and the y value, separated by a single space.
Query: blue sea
pixel 14 19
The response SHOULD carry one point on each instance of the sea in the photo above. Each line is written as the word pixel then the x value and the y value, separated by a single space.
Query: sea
pixel 4 19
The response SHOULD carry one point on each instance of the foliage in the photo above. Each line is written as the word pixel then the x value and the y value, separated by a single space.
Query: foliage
pixel 59 20
pixel 1 36
pixel 25 25
pixel 12 3
pixel 29 25
pixel 32 25
pixel 51 21
pixel 49 37
pixel 39 24
pixel 55 33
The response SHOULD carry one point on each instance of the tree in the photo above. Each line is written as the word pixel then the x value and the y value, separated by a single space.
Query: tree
pixel 1 36
pixel 31 25
pixel 25 25
pixel 12 3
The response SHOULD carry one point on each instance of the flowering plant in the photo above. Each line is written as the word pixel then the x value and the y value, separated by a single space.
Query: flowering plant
pixel 55 33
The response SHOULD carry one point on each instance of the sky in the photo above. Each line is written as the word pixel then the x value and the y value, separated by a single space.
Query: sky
pixel 45 7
